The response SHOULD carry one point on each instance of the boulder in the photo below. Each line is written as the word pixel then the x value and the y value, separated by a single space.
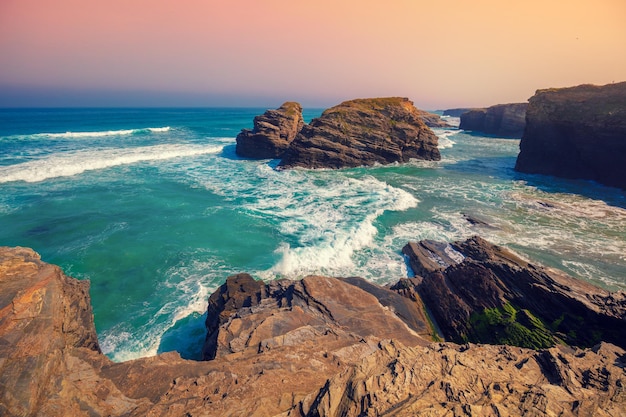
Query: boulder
pixel 272 134
pixel 577 132
pixel 479 292
pixel 363 132
pixel 502 120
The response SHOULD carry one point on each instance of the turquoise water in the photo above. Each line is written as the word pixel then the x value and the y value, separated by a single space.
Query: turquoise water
pixel 156 210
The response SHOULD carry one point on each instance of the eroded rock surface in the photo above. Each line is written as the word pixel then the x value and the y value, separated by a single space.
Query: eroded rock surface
pixel 503 120
pixel 317 347
pixel 480 292
pixel 272 134
pixel 363 132
pixel 577 132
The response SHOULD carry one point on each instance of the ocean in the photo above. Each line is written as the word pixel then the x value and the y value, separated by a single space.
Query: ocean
pixel 154 207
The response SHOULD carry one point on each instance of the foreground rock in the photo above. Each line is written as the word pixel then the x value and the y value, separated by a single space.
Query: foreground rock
pixel 272 134
pixel 479 292
pixel 285 348
pixel 577 132
pixel 363 132
pixel 503 120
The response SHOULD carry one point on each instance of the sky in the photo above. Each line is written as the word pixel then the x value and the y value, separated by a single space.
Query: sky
pixel 457 53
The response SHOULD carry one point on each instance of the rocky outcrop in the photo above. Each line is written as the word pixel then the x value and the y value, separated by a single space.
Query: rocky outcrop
pixel 577 132
pixel 317 347
pixel 456 112
pixel 432 119
pixel 503 120
pixel 272 134
pixel 479 292
pixel 363 132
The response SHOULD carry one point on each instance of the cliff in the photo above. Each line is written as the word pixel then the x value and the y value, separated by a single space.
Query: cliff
pixel 577 132
pixel 316 347
pixel 503 120
pixel 272 134
pixel 363 132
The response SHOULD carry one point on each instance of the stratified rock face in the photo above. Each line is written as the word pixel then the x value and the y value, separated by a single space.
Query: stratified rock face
pixel 503 120
pixel 479 292
pixel 272 134
pixel 317 347
pixel 363 132
pixel 577 132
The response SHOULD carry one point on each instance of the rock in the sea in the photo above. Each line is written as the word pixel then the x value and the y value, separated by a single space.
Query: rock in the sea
pixel 363 132
pixel 317 347
pixel 577 132
pixel 503 120
pixel 482 293
pixel 432 119
pixel 272 134
pixel 456 112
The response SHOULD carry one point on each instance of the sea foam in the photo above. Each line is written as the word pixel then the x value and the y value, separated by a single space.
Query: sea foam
pixel 76 162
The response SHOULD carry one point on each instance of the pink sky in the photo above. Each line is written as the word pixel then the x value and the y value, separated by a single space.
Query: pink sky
pixel 263 52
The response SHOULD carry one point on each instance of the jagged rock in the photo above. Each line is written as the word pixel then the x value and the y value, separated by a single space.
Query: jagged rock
pixel 317 347
pixel 475 380
pixel 480 292
pixel 272 134
pixel 363 132
pixel 577 132
pixel 504 120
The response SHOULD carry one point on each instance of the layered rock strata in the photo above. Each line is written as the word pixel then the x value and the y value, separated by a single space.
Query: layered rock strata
pixel 363 132
pixel 272 134
pixel 577 132
pixel 503 120
pixel 479 292
pixel 317 347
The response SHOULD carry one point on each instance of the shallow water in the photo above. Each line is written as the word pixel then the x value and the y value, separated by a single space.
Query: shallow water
pixel 154 207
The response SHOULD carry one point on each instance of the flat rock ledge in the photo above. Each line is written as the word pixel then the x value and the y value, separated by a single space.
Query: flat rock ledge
pixel 317 347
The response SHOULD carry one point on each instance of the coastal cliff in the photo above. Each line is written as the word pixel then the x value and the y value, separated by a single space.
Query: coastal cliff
pixel 504 120
pixel 319 346
pixel 363 132
pixel 577 132
pixel 272 134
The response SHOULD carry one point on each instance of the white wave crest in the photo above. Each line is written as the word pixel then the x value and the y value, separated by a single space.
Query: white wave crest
pixel 99 134
pixel 326 222
pixel 73 163
pixel 444 138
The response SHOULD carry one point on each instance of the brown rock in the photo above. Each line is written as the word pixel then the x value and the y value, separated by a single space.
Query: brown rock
pixel 577 132
pixel 363 132
pixel 272 134
pixel 503 120
pixel 483 293
pixel 320 346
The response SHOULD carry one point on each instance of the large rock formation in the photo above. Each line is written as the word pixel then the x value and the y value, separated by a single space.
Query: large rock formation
pixel 272 134
pixel 479 292
pixel 503 120
pixel 363 132
pixel 577 132
pixel 317 347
